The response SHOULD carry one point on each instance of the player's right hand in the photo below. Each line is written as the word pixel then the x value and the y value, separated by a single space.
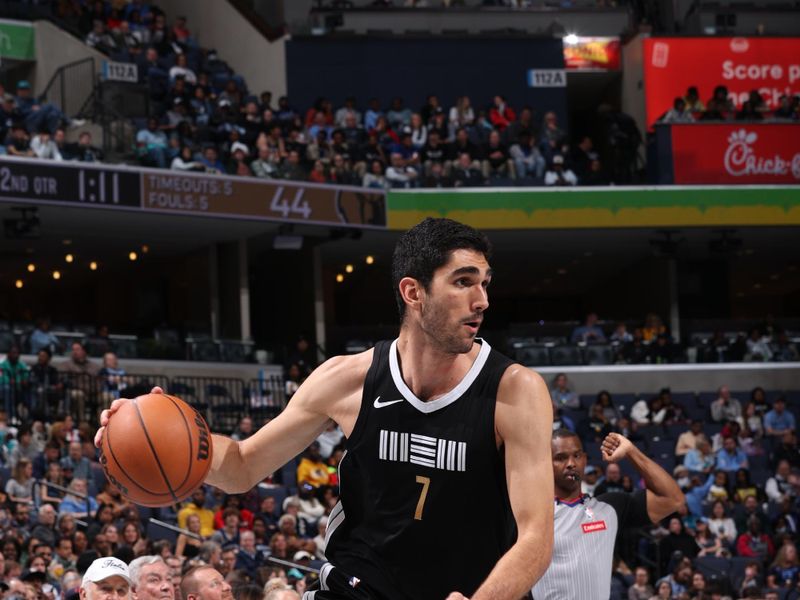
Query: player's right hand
pixel 115 406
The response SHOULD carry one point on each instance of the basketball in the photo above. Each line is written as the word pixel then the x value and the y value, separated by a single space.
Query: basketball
pixel 156 449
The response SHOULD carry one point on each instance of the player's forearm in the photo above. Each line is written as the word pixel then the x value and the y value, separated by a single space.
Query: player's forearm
pixel 656 479
pixel 518 570
pixel 228 469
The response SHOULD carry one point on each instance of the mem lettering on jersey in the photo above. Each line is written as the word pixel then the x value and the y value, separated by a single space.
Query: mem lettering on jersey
pixel 423 450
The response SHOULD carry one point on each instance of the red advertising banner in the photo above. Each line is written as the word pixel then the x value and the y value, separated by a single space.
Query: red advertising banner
pixel 591 53
pixel 671 65
pixel 736 153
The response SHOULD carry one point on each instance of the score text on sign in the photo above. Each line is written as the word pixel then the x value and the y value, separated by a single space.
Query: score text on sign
pixel 554 78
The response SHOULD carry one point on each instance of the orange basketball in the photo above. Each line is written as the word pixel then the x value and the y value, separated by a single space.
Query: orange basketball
pixel 156 449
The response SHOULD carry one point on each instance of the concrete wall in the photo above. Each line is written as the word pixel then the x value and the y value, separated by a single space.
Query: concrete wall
pixel 55 48
pixel 633 81
pixel 220 26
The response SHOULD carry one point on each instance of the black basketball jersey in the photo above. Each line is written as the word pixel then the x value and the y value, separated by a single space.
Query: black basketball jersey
pixel 424 506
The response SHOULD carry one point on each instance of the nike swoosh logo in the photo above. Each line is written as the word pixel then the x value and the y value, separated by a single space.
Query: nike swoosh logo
pixel 379 404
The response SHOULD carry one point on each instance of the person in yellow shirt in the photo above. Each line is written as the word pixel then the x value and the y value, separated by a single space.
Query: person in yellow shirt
pixel 312 468
pixel 197 507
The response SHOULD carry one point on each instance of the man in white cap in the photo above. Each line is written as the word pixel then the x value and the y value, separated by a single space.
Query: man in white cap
pixel 106 577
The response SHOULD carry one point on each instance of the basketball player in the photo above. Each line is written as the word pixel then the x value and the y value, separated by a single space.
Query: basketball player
pixel 446 487
pixel 586 527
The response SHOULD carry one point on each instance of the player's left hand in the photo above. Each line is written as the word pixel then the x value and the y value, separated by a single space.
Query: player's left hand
pixel 456 596
pixel 615 447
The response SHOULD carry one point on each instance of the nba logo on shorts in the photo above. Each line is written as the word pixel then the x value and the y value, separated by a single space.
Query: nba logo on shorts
pixel 660 54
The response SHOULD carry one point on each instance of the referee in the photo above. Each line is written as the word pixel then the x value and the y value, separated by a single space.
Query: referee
pixel 586 527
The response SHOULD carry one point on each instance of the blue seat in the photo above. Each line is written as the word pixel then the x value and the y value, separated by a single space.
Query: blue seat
pixel 534 355
pixel 713 566
pixel 706 398
pixel 565 355
pixel 624 402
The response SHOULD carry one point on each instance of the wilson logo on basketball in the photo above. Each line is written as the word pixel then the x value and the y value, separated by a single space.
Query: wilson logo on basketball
pixel 203 438
pixel 592 527
pixel 110 476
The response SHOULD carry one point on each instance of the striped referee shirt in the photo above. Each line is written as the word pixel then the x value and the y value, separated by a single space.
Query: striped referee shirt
pixel 583 549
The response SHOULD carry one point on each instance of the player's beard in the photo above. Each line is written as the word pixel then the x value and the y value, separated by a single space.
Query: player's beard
pixel 447 336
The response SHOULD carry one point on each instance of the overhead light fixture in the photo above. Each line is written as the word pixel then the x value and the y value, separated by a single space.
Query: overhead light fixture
pixel 69 258
pixel 348 268
pixel 571 39
pixel 93 266
pixel 132 255
pixel 145 248
pixel 31 267
pixel 56 275
pixel 370 259
pixel 339 278
pixel 19 283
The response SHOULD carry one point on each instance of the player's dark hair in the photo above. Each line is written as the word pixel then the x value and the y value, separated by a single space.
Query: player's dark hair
pixel 563 432
pixel 427 246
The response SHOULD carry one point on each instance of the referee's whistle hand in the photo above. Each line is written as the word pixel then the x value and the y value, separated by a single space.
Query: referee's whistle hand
pixel 106 414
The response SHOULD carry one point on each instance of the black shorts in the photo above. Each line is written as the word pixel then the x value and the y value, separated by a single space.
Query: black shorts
pixel 334 584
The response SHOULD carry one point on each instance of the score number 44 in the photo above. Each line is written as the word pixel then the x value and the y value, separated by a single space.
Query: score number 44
pixel 298 206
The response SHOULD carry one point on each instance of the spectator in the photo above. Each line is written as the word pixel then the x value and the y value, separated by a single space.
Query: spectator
pixel 84 151
pixel 461 115
pixel 105 577
pixel 248 558
pixel 725 408
pixel 778 486
pixel 753 420
pixel 75 465
pixel 398 116
pixel 100 39
pixel 707 541
pixel 677 540
pixel 419 132
pixel 689 439
pixel 78 502
pixel 375 178
pixel 464 172
pixel 182 70
pixel 13 381
pixel 113 378
pixel 678 113
pixel 211 161
pixel 743 487
pixel 152 145
pixel 589 332
pixel 436 177
pixel 552 135
pixel 151 579
pixel 19 144
pixel 434 151
pixel 753 543
pixel 787 450
pixel 266 164
pixel 44 147
pixel 82 374
pixel 730 457
pixel 612 482
pixel 778 421
pixel 19 486
pixel 501 115
pixel 497 162
pixel 312 468
pixel 188 546
pixel 238 165
pixel 292 169
pixel 692 100
pixel 719 489
pixel 650 412
pixel 185 161
pixel 721 525
pixel 750 508
pixel 243 430
pixel 528 161
pixel 758 347
pixel 720 106
pixel 348 110
pixel 197 506
pixel 228 535
pixel 561 394
pixel 641 589
pixel 557 175
pixel 398 174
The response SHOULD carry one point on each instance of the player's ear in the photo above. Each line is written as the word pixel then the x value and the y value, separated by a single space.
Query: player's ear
pixel 411 291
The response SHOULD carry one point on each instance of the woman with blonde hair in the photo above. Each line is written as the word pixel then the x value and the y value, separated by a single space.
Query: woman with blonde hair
pixel 20 487
pixel 186 545
pixel 785 569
